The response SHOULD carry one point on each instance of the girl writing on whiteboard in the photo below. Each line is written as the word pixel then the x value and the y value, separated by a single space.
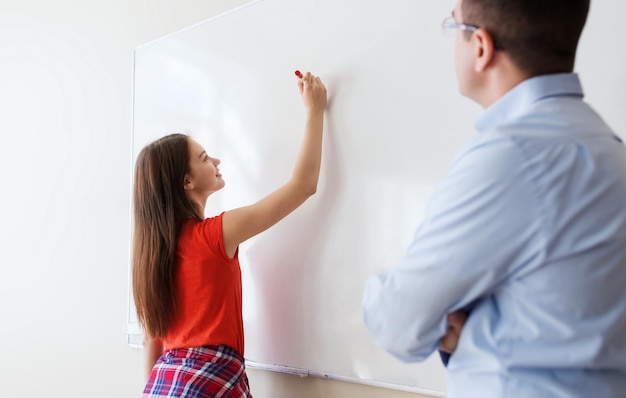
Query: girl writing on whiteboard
pixel 186 275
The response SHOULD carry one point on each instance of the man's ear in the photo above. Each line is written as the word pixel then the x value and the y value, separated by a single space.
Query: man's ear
pixel 188 183
pixel 484 50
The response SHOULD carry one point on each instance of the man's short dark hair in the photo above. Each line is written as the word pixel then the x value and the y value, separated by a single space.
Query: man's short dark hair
pixel 540 36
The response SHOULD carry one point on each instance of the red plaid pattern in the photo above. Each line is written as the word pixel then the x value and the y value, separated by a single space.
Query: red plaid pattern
pixel 205 372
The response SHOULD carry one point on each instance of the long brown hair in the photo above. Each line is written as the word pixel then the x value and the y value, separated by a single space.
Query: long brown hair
pixel 160 206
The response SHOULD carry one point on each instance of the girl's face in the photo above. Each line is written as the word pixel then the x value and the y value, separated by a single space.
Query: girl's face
pixel 204 177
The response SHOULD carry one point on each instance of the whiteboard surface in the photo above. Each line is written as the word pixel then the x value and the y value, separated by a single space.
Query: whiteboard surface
pixel 394 123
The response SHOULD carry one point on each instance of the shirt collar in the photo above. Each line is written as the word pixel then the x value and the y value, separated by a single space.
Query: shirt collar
pixel 517 100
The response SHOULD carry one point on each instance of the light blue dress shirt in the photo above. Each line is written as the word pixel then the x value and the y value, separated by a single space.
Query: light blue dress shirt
pixel 528 231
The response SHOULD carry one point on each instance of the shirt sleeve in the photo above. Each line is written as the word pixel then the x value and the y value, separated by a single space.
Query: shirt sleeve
pixel 211 234
pixel 481 226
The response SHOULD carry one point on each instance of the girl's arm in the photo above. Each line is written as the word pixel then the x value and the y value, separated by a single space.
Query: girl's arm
pixel 243 223
pixel 153 348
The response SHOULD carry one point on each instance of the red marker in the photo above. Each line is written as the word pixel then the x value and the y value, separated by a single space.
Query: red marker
pixel 299 74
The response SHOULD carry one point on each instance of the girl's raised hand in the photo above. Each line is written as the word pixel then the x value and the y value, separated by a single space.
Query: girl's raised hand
pixel 313 93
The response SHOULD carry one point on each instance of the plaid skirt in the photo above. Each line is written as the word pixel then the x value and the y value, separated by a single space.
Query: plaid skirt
pixel 204 372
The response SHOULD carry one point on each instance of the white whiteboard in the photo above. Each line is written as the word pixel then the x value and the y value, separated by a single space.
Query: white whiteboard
pixel 394 123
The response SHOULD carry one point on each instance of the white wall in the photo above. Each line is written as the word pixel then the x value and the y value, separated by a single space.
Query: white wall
pixel 65 114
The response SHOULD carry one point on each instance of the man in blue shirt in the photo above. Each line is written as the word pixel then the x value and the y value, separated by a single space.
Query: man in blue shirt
pixel 527 232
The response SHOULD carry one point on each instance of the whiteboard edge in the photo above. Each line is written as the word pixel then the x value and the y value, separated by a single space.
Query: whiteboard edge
pixel 304 373
pixel 198 23
pixel 131 325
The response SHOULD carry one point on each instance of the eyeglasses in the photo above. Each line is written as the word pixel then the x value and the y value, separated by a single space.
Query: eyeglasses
pixel 450 24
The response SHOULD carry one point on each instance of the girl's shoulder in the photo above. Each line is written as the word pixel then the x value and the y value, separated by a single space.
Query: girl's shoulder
pixel 207 232
pixel 209 223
